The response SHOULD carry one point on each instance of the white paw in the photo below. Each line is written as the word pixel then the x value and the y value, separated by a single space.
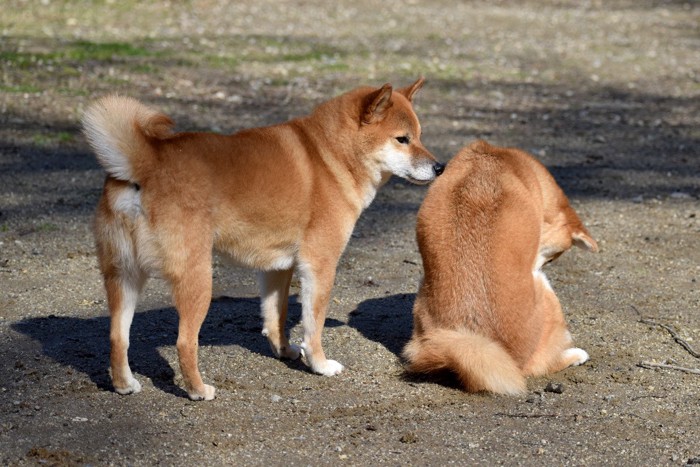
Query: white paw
pixel 206 395
pixel 292 352
pixel 580 356
pixel 132 387
pixel 328 368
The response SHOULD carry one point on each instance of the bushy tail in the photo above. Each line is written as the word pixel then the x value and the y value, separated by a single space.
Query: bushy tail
pixel 119 129
pixel 480 363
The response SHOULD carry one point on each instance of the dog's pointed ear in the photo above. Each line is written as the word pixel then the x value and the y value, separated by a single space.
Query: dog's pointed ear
pixel 377 103
pixel 579 235
pixel 583 239
pixel 412 89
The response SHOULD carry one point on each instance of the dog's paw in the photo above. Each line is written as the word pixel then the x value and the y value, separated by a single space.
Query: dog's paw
pixel 206 394
pixel 291 352
pixel 328 368
pixel 576 356
pixel 132 387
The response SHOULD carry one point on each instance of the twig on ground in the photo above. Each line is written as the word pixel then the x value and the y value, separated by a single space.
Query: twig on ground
pixel 673 333
pixel 527 415
pixel 634 308
pixel 675 336
pixel 650 396
pixel 651 366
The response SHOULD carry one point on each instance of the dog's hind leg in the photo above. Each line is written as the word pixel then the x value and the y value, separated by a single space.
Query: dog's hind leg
pixel 192 296
pixel 552 353
pixel 122 295
pixel 274 298
pixel 573 357
pixel 123 276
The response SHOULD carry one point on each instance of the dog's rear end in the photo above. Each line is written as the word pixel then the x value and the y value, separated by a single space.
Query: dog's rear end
pixel 484 310
pixel 118 129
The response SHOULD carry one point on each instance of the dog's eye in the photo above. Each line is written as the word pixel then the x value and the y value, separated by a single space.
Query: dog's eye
pixel 403 139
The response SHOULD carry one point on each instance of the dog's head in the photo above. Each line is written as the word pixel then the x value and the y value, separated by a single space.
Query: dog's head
pixel 390 134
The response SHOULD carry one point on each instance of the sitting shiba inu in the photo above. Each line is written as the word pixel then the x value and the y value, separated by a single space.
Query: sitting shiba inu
pixel 485 310
pixel 276 199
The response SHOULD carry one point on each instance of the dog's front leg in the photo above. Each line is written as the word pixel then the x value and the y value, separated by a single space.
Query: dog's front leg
pixel 274 299
pixel 316 284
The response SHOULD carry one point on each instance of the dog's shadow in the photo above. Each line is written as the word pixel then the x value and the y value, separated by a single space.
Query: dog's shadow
pixel 82 344
pixel 386 320
pixel 389 321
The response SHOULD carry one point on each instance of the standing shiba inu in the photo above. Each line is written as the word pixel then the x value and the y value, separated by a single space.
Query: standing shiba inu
pixel 276 199
pixel 485 310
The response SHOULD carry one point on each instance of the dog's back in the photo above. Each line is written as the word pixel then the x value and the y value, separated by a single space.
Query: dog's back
pixel 481 307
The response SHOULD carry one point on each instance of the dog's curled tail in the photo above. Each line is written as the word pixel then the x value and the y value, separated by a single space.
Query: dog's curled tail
pixel 119 130
pixel 480 363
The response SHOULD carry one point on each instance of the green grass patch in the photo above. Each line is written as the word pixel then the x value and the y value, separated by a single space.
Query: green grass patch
pixel 74 92
pixel 311 56
pixel 144 68
pixel 64 137
pixel 41 140
pixel 47 227
pixel 52 139
pixel 79 51
pixel 222 61
pixel 22 60
pixel 339 66
pixel 22 88
pixel 86 50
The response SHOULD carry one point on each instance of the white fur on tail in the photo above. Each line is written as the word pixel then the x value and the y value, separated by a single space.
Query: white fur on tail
pixel 116 128
pixel 480 363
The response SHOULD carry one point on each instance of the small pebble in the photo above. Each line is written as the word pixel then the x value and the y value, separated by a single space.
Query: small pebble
pixel 556 388
pixel 680 195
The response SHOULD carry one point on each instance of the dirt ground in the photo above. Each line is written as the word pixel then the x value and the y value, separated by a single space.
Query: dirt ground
pixel 605 93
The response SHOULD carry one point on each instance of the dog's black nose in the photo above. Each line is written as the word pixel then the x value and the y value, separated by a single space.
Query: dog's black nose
pixel 438 168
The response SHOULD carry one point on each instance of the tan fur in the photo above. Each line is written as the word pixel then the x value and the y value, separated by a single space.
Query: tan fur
pixel 485 311
pixel 275 199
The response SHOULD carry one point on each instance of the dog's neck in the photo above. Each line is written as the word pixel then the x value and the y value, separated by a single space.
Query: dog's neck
pixel 347 162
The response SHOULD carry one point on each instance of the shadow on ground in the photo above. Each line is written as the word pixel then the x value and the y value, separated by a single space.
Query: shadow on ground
pixel 386 320
pixel 82 344
pixel 389 322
